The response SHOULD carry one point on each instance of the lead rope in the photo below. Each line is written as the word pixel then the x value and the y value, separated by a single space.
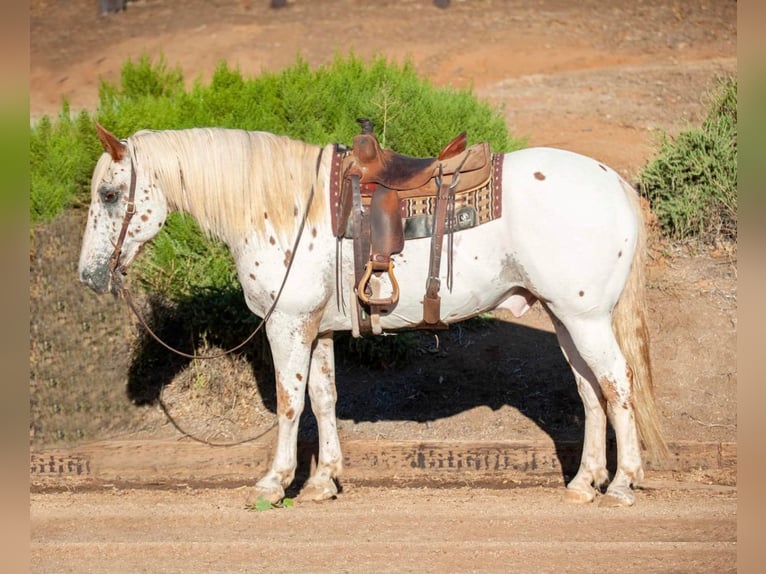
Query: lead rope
pixel 131 304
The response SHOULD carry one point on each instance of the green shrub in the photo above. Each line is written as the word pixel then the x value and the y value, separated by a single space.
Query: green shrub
pixel 183 252
pixel 317 106
pixel 61 156
pixel 145 97
pixel 691 184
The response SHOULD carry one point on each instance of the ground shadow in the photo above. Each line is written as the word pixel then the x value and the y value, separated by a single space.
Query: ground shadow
pixel 478 363
pixel 482 362
pixel 218 321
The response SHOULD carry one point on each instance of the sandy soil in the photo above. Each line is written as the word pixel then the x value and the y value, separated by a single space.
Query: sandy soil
pixel 383 530
pixel 600 78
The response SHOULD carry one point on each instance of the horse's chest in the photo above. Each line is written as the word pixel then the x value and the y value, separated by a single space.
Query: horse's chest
pixel 259 262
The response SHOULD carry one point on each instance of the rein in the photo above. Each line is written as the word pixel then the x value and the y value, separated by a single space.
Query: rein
pixel 116 270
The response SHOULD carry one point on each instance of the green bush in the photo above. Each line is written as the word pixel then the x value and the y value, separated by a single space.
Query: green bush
pixel 691 184
pixel 181 253
pixel 317 106
pixel 62 156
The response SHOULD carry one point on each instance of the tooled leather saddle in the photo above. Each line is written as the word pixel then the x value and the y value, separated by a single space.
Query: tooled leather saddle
pixel 370 184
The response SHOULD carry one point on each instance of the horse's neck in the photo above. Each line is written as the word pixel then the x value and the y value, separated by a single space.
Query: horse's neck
pixel 189 196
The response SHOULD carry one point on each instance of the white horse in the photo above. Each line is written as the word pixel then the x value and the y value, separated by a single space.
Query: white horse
pixel 571 236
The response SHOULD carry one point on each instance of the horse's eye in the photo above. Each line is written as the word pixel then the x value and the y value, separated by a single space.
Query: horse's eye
pixel 108 194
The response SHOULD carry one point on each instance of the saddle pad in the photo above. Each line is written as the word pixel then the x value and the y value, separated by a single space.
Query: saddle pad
pixel 472 207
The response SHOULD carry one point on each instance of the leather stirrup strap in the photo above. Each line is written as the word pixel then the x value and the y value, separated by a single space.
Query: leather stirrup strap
pixel 445 208
pixel 361 230
pixel 432 301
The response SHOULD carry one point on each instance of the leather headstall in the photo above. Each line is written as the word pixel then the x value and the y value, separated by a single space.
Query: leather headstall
pixel 130 209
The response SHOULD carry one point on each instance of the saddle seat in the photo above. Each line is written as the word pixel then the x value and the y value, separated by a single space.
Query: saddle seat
pixel 413 176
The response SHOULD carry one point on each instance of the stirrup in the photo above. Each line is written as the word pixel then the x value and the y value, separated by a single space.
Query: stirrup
pixel 361 288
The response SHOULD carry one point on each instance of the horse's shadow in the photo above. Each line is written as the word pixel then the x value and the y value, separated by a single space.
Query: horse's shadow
pixel 481 362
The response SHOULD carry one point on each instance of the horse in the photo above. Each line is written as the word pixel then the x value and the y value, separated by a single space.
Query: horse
pixel 571 236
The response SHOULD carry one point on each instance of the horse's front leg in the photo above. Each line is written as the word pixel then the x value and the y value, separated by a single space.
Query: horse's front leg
pixel 290 339
pixel 321 485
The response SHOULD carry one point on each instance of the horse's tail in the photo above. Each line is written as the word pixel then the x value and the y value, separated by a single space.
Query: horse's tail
pixel 632 332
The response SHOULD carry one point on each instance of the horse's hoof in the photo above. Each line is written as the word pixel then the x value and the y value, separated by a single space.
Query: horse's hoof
pixel 612 500
pixel 317 493
pixel 579 496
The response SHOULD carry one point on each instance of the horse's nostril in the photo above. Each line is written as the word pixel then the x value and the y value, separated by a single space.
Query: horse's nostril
pixel 94 279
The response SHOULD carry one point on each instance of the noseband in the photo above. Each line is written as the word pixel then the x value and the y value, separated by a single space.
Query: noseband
pixel 115 269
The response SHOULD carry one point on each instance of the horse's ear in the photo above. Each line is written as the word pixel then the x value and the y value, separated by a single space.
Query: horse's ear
pixel 111 144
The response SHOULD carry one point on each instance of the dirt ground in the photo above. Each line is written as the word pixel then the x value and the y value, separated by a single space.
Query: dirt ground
pixel 383 530
pixel 600 78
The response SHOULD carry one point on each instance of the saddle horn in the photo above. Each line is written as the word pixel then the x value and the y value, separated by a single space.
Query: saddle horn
pixel 367 125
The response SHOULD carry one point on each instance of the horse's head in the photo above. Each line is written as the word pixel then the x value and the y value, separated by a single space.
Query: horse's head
pixel 126 211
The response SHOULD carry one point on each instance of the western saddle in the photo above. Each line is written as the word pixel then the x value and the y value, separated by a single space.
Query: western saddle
pixel 374 182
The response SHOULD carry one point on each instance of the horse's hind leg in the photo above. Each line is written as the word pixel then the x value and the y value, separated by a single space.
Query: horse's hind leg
pixel 597 347
pixel 592 471
pixel 323 395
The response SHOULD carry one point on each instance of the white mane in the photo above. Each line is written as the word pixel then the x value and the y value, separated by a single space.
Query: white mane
pixel 233 181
